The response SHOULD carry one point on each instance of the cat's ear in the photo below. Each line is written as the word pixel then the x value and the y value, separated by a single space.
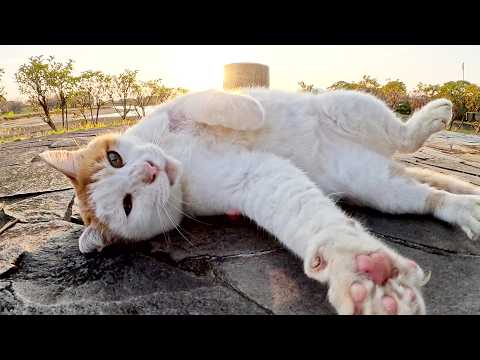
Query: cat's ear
pixel 64 161
pixel 91 240
pixel 173 168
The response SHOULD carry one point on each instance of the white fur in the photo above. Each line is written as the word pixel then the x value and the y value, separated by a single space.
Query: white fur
pixel 154 205
pixel 287 156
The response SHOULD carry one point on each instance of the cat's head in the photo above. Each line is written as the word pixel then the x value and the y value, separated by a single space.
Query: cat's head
pixel 123 187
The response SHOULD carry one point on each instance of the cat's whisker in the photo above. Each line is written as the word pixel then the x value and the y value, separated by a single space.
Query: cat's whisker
pixel 186 215
pixel 176 227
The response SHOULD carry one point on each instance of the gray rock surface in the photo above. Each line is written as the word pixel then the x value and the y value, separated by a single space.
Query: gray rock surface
pixel 45 207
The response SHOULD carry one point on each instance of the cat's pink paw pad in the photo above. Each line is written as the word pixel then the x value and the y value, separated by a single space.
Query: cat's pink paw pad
pixel 377 267
pixel 377 282
pixel 358 293
pixel 389 304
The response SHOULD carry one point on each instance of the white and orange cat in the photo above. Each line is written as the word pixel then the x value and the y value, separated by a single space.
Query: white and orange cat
pixel 280 159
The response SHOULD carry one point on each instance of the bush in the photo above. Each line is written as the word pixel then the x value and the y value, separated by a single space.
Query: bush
pixel 404 108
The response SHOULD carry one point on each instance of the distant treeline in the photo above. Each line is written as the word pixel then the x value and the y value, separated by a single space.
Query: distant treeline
pixel 49 84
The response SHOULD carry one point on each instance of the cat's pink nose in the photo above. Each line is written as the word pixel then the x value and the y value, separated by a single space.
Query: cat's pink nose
pixel 151 172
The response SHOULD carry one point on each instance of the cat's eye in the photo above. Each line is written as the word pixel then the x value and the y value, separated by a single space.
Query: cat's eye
pixel 115 159
pixel 127 204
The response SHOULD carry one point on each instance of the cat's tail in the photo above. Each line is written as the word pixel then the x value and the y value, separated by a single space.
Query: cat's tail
pixel 442 181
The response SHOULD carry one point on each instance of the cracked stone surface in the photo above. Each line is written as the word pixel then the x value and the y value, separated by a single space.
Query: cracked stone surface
pixel 207 237
pixel 28 237
pixel 276 281
pixel 55 278
pixel 223 267
pixel 424 231
pixel 39 208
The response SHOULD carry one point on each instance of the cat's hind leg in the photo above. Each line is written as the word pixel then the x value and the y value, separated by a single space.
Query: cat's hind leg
pixel 367 120
pixel 378 182
pixel 441 181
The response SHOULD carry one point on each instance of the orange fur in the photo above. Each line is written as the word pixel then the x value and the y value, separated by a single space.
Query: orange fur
pixel 91 160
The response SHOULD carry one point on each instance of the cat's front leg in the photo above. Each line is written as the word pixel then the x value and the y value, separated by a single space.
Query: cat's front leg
pixel 364 275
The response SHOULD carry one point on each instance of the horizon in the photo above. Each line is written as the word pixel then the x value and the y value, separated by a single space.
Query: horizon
pixel 199 67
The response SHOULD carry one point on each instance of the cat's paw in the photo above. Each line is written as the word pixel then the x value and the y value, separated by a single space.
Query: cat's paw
pixel 436 115
pixel 91 240
pixel 364 276
pixel 464 210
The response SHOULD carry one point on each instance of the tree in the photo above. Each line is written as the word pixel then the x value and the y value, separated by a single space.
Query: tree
pixel 369 85
pixel 393 93
pixel 179 91
pixel 472 98
pixel 455 92
pixel 122 87
pixel 62 83
pixel 149 93
pixel 33 80
pixel 308 88
pixel 15 106
pixel 92 92
pixel 2 89
pixel 81 101
pixel 304 87
pixel 428 90
pixel 366 84
pixel 422 94
pixel 343 85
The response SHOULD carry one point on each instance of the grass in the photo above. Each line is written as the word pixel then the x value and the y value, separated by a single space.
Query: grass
pixel 18 134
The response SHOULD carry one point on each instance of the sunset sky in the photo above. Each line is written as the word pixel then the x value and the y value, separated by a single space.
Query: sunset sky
pixel 199 67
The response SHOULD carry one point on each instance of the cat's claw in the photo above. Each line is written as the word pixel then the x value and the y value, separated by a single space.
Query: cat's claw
pixel 366 282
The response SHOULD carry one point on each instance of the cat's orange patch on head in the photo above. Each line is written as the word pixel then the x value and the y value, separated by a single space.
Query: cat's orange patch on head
pixel 93 159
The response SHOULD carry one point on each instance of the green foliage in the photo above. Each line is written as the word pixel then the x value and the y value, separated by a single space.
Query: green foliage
pixel 123 87
pixel 179 91
pixel 472 98
pixel 91 93
pixel 404 108
pixel 343 85
pixel 393 93
pixel 149 92
pixel 304 87
pixel 8 115
pixel 455 92
pixel 366 84
pixel 33 77
pixel 307 88
pixel 34 80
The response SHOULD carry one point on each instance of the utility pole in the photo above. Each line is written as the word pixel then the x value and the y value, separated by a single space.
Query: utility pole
pixel 463 71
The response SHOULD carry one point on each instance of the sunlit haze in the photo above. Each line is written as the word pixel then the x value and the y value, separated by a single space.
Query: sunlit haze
pixel 201 67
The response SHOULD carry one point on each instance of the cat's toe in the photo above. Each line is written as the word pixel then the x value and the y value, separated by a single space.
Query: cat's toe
pixel 438 114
